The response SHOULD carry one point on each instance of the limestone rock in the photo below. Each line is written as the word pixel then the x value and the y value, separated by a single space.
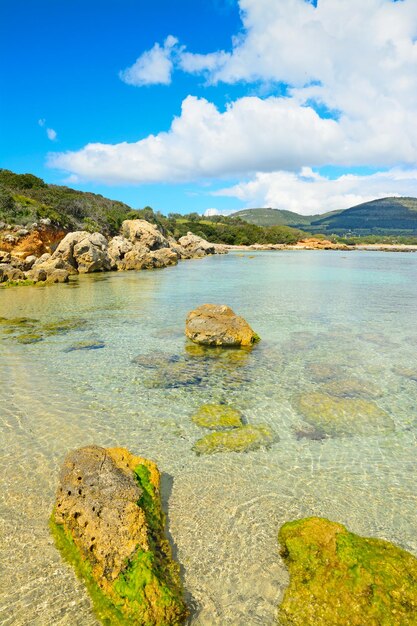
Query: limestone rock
pixel 196 246
pixel 52 270
pixel 338 578
pixel 84 251
pixel 9 273
pixel 343 416
pixel 144 233
pixel 218 325
pixel 109 524
pixel 118 248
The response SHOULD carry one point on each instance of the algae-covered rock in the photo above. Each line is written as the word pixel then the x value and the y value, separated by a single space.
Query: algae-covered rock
pixel 243 439
pixel 217 417
pixel 351 388
pixel 108 523
pixel 343 416
pixel 338 578
pixel 218 325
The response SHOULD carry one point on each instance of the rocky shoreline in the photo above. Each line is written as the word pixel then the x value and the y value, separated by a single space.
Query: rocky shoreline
pixel 324 244
pixel 139 246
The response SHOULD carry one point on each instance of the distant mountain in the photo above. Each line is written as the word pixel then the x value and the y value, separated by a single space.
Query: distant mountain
pixel 385 216
pixel 277 217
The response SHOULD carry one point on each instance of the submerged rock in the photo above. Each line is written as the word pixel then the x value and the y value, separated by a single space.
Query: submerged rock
pixel 86 345
pixel 243 439
pixel 338 578
pixel 405 372
pixel 343 416
pixel 108 523
pixel 218 325
pixel 217 417
pixel 351 388
pixel 323 372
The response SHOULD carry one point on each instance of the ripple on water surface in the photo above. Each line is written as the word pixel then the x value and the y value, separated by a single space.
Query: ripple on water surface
pixel 121 373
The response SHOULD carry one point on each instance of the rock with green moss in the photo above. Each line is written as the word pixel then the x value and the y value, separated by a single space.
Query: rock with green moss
pixel 338 578
pixel 343 416
pixel 217 417
pixel 243 439
pixel 88 344
pixel 108 523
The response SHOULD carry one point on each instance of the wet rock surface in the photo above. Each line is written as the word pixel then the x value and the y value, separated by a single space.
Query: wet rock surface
pixel 339 578
pixel 218 325
pixel 109 524
pixel 217 417
pixel 243 439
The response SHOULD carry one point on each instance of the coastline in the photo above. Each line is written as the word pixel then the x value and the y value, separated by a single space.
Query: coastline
pixel 375 247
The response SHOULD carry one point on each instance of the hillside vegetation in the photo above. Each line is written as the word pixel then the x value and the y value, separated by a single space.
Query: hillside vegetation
pixel 25 199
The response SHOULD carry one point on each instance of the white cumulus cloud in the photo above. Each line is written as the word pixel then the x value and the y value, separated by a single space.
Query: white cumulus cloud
pixel 308 193
pixel 252 134
pixel 153 66
pixel 350 70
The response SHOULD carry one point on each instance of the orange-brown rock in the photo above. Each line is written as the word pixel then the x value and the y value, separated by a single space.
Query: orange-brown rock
pixel 313 243
pixel 218 325
pixel 37 242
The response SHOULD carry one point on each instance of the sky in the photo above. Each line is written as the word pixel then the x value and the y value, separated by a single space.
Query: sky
pixel 216 105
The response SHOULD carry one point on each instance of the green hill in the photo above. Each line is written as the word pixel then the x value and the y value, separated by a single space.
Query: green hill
pixel 25 199
pixel 384 216
pixel 277 217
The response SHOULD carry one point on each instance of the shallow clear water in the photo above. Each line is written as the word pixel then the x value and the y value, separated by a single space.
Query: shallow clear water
pixel 353 311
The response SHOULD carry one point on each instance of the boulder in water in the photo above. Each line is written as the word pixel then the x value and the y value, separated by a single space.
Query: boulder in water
pixel 338 578
pixel 218 325
pixel 108 523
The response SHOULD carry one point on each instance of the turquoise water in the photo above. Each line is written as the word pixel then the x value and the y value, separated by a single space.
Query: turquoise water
pixel 354 312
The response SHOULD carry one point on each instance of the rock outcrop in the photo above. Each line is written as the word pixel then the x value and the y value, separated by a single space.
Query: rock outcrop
pixel 196 246
pixel 339 578
pixel 140 246
pixel 144 233
pixel 218 325
pixel 85 252
pixel 108 522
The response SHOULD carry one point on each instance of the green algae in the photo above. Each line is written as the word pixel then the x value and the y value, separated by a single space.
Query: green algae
pixel 103 607
pixel 339 578
pixel 148 590
pixel 243 439
pixel 217 417
pixel 25 282
pixel 89 344
pixel 343 416
pixel 26 338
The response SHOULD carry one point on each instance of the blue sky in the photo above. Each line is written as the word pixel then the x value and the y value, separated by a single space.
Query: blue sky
pixel 250 103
